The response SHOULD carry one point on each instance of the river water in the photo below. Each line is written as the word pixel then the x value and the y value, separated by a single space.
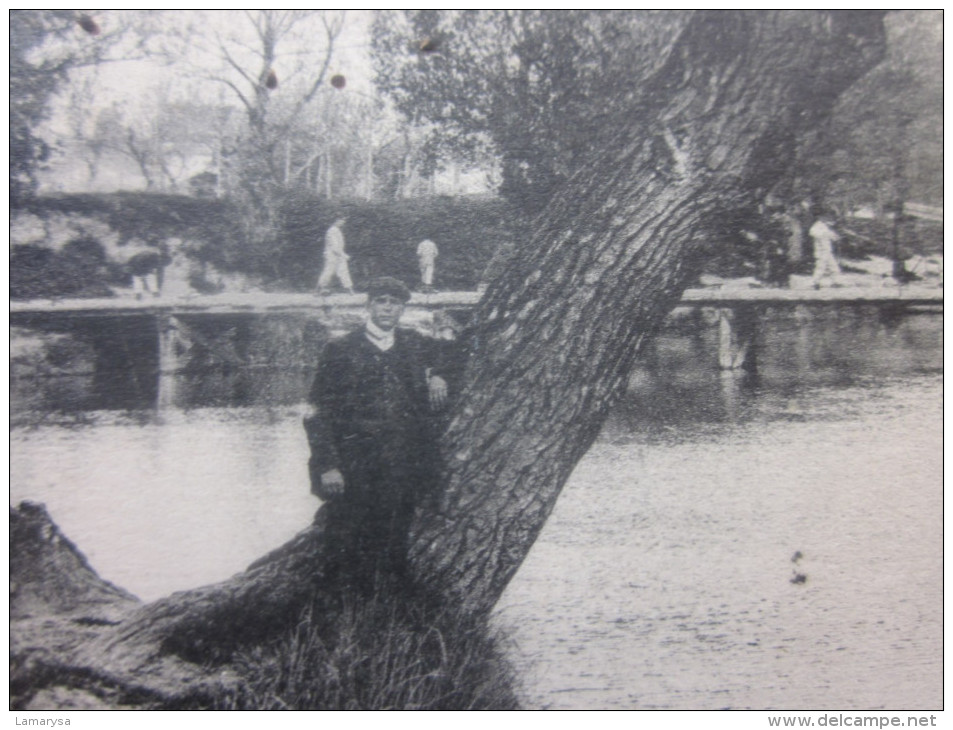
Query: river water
pixel 731 541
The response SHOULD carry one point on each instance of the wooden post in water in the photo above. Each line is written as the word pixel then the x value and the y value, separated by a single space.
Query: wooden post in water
pixel 169 335
pixel 168 331
pixel 737 327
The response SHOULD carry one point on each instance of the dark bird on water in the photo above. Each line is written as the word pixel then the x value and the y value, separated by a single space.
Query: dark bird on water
pixel 798 577
pixel 272 81
pixel 338 81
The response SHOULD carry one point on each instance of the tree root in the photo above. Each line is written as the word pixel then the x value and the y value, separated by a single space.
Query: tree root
pixel 76 638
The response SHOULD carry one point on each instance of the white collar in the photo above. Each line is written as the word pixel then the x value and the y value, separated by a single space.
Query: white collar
pixel 381 339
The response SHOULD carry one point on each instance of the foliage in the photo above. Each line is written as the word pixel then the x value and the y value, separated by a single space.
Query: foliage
pixel 45 47
pixel 546 89
pixel 874 237
pixel 79 269
pixel 148 218
pixel 273 63
pixel 543 88
pixel 883 143
pixel 382 238
pixel 248 97
pixel 162 137
pixel 205 229
pixel 379 655
pixel 32 84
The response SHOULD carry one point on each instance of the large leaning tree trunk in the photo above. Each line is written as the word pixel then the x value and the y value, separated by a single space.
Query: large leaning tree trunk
pixel 553 341
pixel 556 337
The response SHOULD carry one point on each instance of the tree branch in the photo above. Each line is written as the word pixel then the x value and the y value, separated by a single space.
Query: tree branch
pixel 331 30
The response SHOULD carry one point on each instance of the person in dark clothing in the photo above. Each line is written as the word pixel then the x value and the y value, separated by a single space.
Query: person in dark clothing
pixel 377 395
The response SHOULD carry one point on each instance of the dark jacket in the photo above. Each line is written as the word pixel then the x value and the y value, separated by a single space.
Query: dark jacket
pixel 374 423
pixel 373 417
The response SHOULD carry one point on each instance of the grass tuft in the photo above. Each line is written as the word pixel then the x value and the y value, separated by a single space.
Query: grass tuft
pixel 379 654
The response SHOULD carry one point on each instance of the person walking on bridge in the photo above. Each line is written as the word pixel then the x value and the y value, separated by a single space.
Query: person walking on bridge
pixel 823 237
pixel 335 259
pixel 427 258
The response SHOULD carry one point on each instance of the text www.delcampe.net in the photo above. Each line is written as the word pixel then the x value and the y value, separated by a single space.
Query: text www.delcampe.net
pixel 847 720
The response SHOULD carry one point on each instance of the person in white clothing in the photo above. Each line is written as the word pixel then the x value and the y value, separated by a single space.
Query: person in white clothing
pixel 427 258
pixel 825 263
pixel 335 259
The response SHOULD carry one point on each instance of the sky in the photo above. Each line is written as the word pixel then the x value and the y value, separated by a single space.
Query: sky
pixel 136 86
pixel 131 80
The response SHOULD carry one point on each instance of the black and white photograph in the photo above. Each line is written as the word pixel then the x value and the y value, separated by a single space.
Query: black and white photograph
pixel 501 360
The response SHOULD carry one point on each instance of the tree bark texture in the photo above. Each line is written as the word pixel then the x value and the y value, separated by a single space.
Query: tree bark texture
pixel 555 337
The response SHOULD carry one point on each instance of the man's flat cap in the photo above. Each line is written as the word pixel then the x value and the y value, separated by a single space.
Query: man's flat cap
pixel 385 285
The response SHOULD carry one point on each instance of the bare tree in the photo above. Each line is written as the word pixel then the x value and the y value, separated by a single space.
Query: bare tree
pixel 166 139
pixel 46 48
pixel 273 64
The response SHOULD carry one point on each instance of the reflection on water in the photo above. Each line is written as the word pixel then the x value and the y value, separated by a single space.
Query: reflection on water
pixel 828 347
pixel 663 578
pixel 796 348
pixel 160 503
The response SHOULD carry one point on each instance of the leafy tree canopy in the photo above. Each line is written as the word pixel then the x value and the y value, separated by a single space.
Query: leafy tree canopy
pixel 541 89
pixel 884 140
pixel 544 89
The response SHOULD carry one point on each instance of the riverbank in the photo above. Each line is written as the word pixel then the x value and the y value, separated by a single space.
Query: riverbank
pixel 389 651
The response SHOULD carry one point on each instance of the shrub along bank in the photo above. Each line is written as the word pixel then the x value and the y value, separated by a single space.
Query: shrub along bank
pixel 89 244
pixel 85 244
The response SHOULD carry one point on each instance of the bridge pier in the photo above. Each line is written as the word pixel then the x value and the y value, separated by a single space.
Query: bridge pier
pixel 169 328
pixel 168 361
pixel 737 331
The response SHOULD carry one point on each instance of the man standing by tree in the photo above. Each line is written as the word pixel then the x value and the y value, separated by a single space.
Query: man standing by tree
pixel 372 438
pixel 335 259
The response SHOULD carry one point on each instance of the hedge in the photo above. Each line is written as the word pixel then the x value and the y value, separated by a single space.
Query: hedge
pixel 381 238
